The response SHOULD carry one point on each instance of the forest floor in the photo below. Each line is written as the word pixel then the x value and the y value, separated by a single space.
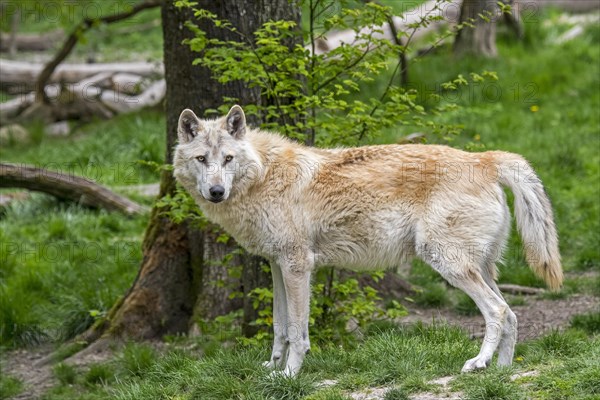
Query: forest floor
pixel 537 317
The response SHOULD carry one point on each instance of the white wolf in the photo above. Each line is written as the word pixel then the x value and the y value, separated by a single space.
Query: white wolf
pixel 366 208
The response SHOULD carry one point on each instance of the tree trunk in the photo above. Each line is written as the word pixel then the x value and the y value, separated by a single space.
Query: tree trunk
pixel 480 38
pixel 513 18
pixel 177 281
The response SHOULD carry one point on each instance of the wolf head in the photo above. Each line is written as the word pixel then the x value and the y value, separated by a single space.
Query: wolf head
pixel 213 158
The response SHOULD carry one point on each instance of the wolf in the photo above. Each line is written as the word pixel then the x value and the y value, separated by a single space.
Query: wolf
pixel 366 208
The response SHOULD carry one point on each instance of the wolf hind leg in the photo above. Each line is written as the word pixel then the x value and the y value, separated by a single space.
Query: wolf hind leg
pixel 491 256
pixel 467 276
pixel 508 339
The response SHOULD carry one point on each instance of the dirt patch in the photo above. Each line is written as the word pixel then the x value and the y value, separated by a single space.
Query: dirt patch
pixel 21 364
pixel 535 318
pixel 31 366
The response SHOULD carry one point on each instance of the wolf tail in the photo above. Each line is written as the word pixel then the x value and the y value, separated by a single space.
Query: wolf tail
pixel 534 216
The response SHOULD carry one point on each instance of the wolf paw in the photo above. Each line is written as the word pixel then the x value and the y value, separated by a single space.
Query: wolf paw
pixel 476 363
pixel 274 362
pixel 283 373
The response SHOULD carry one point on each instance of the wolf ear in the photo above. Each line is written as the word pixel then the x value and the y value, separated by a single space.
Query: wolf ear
pixel 236 122
pixel 188 126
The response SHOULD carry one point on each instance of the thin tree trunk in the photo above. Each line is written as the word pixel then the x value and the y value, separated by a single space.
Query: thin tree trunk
pixel 480 38
pixel 513 18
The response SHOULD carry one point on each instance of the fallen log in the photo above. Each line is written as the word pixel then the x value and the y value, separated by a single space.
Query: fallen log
pixel 102 95
pixel 9 110
pixel 121 103
pixel 66 186
pixel 432 16
pixel 128 83
pixel 20 76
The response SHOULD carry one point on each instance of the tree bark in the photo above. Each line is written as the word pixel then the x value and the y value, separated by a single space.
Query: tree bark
pixel 480 38
pixel 177 280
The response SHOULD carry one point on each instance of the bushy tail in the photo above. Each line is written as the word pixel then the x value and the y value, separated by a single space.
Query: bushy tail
pixel 534 216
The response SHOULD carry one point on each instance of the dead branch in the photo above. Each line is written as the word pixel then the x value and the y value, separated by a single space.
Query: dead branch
pixel 518 289
pixel 102 95
pixel 67 187
pixel 73 38
pixel 121 103
pixel 9 110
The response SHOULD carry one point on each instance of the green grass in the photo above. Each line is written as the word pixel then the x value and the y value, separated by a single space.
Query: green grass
pixel 62 266
pixel 9 386
pixel 570 366
pixel 405 357
pixel 432 295
pixel 138 358
pixel 495 384
pixel 65 373
pixel 4 96
pixel 589 322
pixel 74 263
pixel 99 374
pixel 396 394
pixel 110 152
pixel 465 305
pixel 401 358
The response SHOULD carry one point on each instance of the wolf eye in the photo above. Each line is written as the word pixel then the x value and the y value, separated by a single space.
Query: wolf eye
pixel 228 158
pixel 201 158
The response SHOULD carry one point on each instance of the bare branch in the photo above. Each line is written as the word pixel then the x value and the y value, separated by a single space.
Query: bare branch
pixel 73 38
pixel 65 186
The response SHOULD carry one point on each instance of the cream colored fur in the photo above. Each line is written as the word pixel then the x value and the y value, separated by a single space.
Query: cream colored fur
pixel 370 207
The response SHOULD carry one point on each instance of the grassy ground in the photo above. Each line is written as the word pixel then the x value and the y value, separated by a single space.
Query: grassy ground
pixel 400 361
pixel 62 266
pixel 74 263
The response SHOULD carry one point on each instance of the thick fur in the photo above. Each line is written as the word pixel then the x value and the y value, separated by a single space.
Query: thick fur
pixel 366 208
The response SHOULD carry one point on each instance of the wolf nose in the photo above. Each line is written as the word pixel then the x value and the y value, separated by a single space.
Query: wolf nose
pixel 217 192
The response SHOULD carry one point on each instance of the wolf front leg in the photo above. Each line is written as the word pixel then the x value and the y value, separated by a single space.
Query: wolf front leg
pixel 280 347
pixel 296 279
